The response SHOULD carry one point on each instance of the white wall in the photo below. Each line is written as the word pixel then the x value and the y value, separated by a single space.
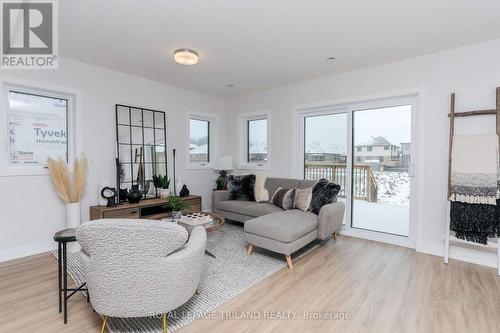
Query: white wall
pixel 472 72
pixel 30 209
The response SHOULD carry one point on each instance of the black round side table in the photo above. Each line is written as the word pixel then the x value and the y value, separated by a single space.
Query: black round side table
pixel 62 238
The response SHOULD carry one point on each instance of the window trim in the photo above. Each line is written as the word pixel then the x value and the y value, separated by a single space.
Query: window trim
pixel 212 126
pixel 7 169
pixel 243 155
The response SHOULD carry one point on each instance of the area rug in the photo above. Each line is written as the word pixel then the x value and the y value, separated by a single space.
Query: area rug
pixel 223 278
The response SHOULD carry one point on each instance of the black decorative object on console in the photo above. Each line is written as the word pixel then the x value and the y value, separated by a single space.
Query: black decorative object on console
pixel 184 191
pixel 123 194
pixel 134 195
pixel 109 193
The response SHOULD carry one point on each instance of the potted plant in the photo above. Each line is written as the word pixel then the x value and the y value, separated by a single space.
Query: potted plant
pixel 162 183
pixel 177 205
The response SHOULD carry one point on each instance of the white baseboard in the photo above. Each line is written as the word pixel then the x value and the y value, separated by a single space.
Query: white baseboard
pixel 470 254
pixel 26 250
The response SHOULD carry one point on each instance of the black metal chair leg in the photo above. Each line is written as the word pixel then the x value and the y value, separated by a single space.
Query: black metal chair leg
pixel 210 254
pixel 65 284
pixel 59 275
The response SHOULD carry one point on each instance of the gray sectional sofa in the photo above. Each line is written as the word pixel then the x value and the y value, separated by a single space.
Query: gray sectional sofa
pixel 275 229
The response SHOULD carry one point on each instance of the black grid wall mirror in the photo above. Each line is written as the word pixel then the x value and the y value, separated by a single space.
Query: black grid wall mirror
pixel 141 148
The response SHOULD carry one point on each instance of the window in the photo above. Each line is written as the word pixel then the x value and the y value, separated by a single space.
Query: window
pixel 257 141
pixel 199 141
pixel 386 147
pixel 369 148
pixel 254 151
pixel 38 127
pixel 359 148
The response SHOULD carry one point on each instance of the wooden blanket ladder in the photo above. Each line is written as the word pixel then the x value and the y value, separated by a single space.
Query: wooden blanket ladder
pixel 452 115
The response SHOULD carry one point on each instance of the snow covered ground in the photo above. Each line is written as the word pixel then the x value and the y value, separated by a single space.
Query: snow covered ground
pixel 393 187
pixel 391 213
pixel 383 217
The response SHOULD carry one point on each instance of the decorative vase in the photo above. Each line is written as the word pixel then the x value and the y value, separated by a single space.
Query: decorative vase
pixel 73 220
pixel 123 194
pixel 165 193
pixel 134 195
pixel 151 193
pixel 184 191
pixel 221 182
pixel 176 215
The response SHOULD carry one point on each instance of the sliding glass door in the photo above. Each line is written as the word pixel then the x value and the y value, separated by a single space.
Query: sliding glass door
pixel 381 165
pixel 367 149
pixel 325 147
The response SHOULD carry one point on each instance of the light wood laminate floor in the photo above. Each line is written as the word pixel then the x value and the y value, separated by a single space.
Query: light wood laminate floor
pixel 383 288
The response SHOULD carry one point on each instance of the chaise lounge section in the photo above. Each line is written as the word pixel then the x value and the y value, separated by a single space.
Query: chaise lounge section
pixel 272 228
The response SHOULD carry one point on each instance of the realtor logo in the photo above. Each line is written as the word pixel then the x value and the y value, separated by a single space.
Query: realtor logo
pixel 29 34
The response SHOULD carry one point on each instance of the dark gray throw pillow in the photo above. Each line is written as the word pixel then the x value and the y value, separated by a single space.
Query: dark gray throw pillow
pixel 323 193
pixel 241 187
pixel 283 198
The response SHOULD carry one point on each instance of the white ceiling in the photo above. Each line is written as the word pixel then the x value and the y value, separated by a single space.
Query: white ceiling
pixel 260 44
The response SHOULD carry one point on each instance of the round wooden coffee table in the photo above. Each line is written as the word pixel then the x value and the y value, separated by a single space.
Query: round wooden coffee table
pixel 216 223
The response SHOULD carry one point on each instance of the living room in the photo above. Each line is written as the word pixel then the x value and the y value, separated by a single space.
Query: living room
pixel 324 158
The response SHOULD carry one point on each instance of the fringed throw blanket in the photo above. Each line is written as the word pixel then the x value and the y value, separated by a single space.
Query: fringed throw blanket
pixel 474 222
pixel 475 188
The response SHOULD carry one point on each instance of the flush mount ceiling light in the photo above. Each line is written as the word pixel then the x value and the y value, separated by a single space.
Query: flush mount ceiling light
pixel 186 57
pixel 330 59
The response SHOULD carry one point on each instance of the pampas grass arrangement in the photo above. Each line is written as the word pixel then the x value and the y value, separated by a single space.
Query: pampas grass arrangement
pixel 68 188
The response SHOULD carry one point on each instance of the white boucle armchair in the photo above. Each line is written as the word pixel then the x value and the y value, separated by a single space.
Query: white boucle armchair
pixel 140 268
